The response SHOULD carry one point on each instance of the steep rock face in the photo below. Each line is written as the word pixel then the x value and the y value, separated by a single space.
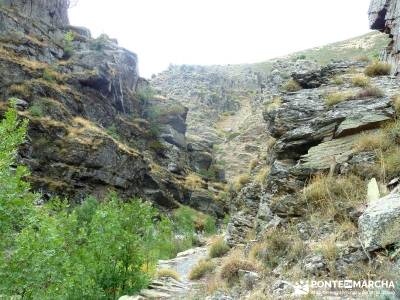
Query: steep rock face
pixel 93 126
pixel 54 12
pixel 384 15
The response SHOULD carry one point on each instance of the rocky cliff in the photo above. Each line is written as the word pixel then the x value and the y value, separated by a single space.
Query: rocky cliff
pixel 384 16
pixel 95 125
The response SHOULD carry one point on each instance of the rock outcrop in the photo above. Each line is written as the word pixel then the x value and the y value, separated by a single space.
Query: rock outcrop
pixel 95 125
pixel 379 224
pixel 54 12
pixel 384 15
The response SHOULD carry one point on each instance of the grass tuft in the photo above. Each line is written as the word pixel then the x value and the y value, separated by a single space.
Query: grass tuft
pixel 291 86
pixel 378 68
pixel 162 273
pixel 218 248
pixel 360 80
pixel 202 268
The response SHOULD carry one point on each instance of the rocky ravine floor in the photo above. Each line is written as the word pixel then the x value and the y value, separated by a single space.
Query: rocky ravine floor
pixel 169 288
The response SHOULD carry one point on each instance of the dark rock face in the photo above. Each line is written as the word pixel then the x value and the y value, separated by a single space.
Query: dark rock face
pixel 54 12
pixel 384 15
pixel 313 76
pixel 91 131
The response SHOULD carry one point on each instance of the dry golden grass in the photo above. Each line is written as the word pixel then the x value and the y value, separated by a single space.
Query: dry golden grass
pixel 214 283
pixel 363 58
pixel 274 104
pixel 262 174
pixel 291 86
pixel 162 273
pixel 337 97
pixel 333 196
pixel 277 244
pixel 20 90
pixel 202 268
pixel 396 104
pixel 378 68
pixel 338 80
pixel 218 248
pixel 194 181
pixel 360 80
pixel 369 92
pixel 230 269
pixel 240 181
pixel 253 164
pixel 260 295
pixel 328 248
pixel 372 141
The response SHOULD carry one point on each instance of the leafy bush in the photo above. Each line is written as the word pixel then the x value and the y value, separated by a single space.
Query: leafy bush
pixel 378 68
pixel 145 93
pixel 201 269
pixel 98 250
pixel 218 248
pixel 16 202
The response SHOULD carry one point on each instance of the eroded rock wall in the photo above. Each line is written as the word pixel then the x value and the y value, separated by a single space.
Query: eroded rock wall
pixel 94 124
pixel 54 12
pixel 384 15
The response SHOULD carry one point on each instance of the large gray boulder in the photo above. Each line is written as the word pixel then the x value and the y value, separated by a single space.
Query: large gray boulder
pixel 379 225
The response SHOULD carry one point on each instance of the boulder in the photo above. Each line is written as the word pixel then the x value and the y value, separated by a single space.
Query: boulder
pixel 379 225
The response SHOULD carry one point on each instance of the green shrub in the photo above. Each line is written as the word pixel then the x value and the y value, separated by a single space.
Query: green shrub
pixel 68 44
pixel 113 132
pixel 98 250
pixel 218 248
pixel 378 68
pixel 36 110
pixel 16 201
pixel 145 93
pixel 157 147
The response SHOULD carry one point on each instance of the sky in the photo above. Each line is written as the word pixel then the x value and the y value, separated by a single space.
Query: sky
pixel 205 32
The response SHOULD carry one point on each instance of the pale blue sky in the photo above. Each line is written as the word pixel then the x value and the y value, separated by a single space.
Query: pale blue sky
pixel 220 31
